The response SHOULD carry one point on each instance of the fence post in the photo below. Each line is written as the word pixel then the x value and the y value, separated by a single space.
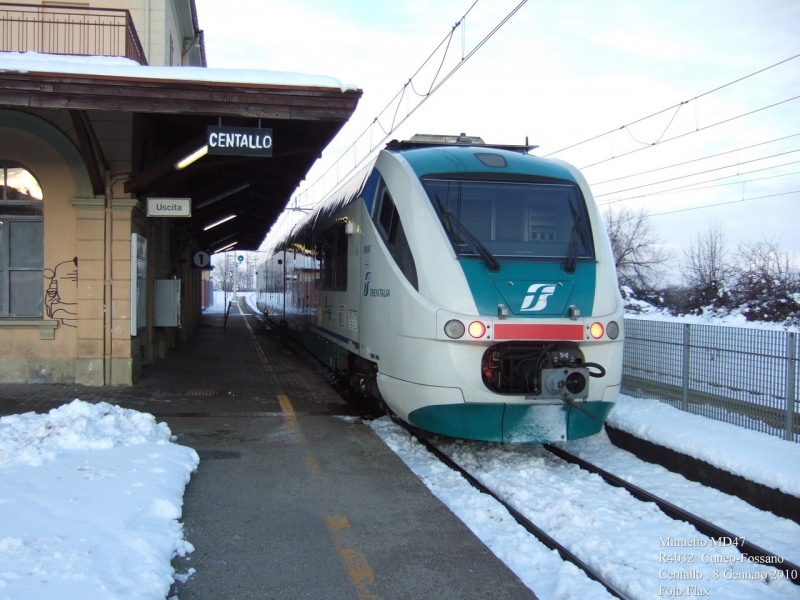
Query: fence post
pixel 687 338
pixel 791 360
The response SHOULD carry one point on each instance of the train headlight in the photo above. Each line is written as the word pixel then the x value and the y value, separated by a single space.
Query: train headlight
pixel 612 329
pixel 477 329
pixel 454 329
pixel 596 330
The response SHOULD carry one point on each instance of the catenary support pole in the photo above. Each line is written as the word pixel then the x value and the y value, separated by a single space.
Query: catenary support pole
pixel 687 338
pixel 791 382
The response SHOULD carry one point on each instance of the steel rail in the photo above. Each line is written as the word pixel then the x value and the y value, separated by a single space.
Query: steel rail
pixel 529 526
pixel 675 512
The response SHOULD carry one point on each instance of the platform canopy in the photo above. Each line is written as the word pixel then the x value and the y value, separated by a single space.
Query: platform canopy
pixel 171 110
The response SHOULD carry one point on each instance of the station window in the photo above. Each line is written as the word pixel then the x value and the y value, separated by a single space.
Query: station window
pixel 332 251
pixel 21 243
pixel 391 229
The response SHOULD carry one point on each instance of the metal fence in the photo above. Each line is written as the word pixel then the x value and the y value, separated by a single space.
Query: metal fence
pixel 75 30
pixel 739 375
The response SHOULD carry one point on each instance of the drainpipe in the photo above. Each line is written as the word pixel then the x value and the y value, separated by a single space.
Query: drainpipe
pixel 147 30
pixel 107 288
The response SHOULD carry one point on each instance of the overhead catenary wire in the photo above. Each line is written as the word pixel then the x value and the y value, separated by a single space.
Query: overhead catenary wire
pixel 694 160
pixel 633 137
pixel 678 210
pixel 691 187
pixel 682 135
pixel 674 106
pixel 392 109
pixel 398 97
pixel 644 185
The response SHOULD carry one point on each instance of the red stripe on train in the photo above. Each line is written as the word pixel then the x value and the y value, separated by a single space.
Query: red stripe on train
pixel 510 331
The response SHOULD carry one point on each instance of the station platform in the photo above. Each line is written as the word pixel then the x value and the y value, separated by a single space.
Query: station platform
pixel 294 497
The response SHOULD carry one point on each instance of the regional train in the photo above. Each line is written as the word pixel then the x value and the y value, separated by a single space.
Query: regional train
pixel 468 287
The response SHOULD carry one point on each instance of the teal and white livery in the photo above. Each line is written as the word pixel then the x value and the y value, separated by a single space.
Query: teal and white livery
pixel 469 287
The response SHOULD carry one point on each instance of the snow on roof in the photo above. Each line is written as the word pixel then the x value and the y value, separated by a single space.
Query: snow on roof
pixel 115 66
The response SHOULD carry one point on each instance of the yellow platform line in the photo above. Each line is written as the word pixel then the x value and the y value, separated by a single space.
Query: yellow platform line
pixel 290 419
pixel 358 570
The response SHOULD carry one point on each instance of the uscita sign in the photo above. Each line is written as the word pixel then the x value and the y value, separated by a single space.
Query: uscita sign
pixel 169 207
pixel 239 141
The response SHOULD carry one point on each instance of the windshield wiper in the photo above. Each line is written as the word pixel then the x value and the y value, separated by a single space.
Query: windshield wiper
pixel 483 251
pixel 577 232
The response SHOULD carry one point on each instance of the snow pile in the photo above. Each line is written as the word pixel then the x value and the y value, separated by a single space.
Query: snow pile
pixel 89 501
pixel 636 308
pixel 717 443
pixel 33 439
pixel 732 318
pixel 114 66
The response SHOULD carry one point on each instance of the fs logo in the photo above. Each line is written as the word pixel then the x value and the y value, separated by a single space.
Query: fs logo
pixel 537 297
pixel 367 277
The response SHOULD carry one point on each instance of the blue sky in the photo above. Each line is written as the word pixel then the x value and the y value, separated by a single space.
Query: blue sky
pixel 562 72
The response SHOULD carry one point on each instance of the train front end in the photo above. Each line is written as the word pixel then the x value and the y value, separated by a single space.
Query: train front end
pixel 528 317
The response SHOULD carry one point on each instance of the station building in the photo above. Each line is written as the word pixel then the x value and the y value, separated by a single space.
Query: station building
pixel 112 181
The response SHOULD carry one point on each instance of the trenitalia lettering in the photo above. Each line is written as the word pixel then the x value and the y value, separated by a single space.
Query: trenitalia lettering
pixel 239 140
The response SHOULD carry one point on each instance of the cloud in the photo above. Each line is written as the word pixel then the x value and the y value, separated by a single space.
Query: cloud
pixel 644 45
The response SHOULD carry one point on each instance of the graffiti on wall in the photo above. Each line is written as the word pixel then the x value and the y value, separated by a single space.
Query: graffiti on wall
pixel 61 297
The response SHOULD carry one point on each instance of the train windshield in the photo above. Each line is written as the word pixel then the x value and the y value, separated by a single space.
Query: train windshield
pixel 513 219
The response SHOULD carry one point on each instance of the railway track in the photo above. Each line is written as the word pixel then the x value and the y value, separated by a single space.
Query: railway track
pixel 746 548
pixel 705 527
pixel 529 526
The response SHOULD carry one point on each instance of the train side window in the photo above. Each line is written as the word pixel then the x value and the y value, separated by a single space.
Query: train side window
pixel 387 214
pixel 391 229
pixel 332 252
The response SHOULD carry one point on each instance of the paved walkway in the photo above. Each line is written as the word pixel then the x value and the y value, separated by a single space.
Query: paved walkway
pixel 294 496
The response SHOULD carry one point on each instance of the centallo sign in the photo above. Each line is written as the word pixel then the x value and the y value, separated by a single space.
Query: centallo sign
pixel 239 141
pixel 169 207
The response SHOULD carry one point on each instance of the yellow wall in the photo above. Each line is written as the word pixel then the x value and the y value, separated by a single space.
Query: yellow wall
pixel 93 346
pixel 154 20
pixel 57 165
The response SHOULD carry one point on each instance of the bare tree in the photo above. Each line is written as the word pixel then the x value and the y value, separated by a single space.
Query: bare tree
pixel 638 252
pixel 707 269
pixel 767 282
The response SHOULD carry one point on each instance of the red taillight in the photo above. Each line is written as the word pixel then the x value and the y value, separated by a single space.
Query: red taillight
pixel 596 330
pixel 477 329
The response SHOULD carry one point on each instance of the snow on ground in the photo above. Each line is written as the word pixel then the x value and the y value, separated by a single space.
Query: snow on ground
pixel 734 317
pixel 606 527
pixel 221 301
pixel 762 528
pixel 755 456
pixel 539 568
pixel 90 497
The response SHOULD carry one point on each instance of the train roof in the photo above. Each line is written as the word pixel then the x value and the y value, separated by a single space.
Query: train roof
pixel 424 140
pixel 435 154
pixel 340 198
pixel 494 162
